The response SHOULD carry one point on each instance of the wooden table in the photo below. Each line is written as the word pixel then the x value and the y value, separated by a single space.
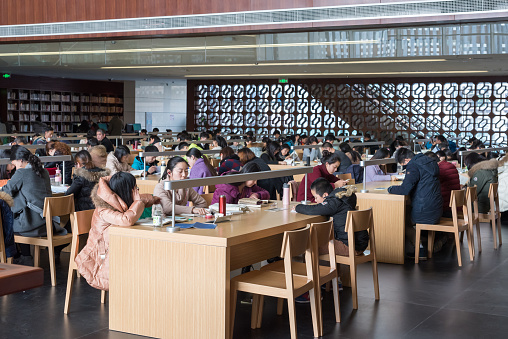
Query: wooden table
pixel 147 185
pixel 177 285
pixel 389 219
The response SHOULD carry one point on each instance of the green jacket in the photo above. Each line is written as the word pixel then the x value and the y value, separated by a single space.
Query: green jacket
pixel 482 175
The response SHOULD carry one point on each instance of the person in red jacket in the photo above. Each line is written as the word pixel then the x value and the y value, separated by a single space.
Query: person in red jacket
pixel 329 164
pixel 449 179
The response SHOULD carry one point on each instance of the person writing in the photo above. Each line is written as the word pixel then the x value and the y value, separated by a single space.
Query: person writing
pixel 151 161
pixel 118 161
pixel 374 172
pixel 200 167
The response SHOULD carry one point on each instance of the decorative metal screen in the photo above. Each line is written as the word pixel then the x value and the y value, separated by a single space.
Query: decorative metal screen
pixel 384 108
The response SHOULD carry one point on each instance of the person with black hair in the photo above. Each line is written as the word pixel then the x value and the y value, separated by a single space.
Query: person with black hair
pixel 104 141
pixel 19 141
pixel 313 153
pixel 270 155
pixel 177 169
pixel 155 130
pixel 154 140
pixel 7 170
pixel 285 152
pixel 203 136
pixel 481 174
pixel 374 172
pixel 329 164
pixel 29 186
pixel 449 179
pixel 118 161
pixel 56 148
pixel 335 203
pixel 276 134
pixel 421 183
pixel 330 137
pixel 243 189
pixel 344 154
pixel 48 134
pixel 200 167
pixel 86 176
pixel 151 161
pixel 117 203
pixel 183 146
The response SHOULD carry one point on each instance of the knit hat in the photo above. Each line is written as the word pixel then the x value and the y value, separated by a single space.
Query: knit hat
pixel 228 165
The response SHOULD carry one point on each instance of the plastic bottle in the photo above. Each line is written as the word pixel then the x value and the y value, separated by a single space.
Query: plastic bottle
pixel 58 177
pixel 285 195
pixel 157 215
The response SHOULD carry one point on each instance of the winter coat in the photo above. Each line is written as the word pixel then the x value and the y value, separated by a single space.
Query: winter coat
pixel 319 171
pixel 482 175
pixel 183 196
pixel 108 144
pixel 114 165
pixel 375 173
pixel 115 126
pixel 269 159
pixel 82 185
pixel 93 260
pixel 356 172
pixel 199 170
pixel 272 185
pixel 28 191
pixel 6 203
pixel 68 169
pixel 139 164
pixel 422 185
pixel 313 153
pixel 345 162
pixel 503 184
pixel 233 194
pixel 336 205
pixel 449 179
pixel 99 156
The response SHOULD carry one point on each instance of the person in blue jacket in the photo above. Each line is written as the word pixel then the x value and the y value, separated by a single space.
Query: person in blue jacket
pixel 151 162
pixel 422 184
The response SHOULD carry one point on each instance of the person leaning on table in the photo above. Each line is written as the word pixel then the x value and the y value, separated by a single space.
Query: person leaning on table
pixel 421 183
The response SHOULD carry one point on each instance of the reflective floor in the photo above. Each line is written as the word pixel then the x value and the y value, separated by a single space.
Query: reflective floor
pixel 435 299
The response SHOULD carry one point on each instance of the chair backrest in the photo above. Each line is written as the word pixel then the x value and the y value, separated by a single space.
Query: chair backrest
pixel 471 202
pixel 56 207
pixel 494 197
pixel 356 221
pixel 321 234
pixel 208 198
pixel 209 189
pixel 293 190
pixel 81 222
pixel 296 243
pixel 458 200
pixel 345 176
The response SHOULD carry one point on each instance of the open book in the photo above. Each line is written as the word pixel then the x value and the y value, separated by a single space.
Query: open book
pixel 252 202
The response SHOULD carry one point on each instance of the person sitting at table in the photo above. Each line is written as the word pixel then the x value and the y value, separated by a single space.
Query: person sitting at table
pixel 344 154
pixel 151 161
pixel 118 161
pixel 481 174
pixel 97 152
pixel 200 167
pixel 313 153
pixel 104 141
pixel 503 188
pixel 421 183
pixel 329 164
pixel 117 203
pixel 203 136
pixel 56 148
pixel 374 172
pixel 355 169
pixel 285 152
pixel 238 190
pixel 8 170
pixel 449 179
pixel 19 141
pixel 177 169
pixel 335 203
pixel 270 155
pixel 86 176
pixel 257 150
pixel 183 146
pixel 227 153
pixel 218 144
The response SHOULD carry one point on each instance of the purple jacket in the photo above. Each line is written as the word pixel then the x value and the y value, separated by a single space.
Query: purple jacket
pixel 199 170
pixel 374 173
pixel 233 194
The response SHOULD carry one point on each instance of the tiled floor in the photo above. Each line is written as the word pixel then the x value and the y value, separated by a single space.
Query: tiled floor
pixel 435 299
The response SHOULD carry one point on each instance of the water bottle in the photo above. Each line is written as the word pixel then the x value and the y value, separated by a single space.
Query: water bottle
pixel 58 177
pixel 157 215
pixel 285 195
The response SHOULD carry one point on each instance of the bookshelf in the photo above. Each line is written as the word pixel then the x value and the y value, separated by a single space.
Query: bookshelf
pixel 59 109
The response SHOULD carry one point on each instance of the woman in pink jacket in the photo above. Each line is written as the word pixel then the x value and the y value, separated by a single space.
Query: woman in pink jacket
pixel 238 190
pixel 118 203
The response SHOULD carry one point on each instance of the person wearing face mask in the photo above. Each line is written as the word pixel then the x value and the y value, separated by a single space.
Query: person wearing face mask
pixel 238 190
pixel 177 169
pixel 200 167
pixel 118 161
pixel 329 164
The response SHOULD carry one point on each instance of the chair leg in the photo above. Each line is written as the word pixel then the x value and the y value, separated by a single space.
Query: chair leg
pixel 52 269
pixel 254 311
pixel 471 244
pixel 500 241
pixel 103 297
pixel 314 309
pixel 260 311
pixel 280 306
pixel 461 237
pixel 232 309
pixel 336 299
pixel 292 316
pixel 376 281
pixel 328 287
pixel 417 244
pixel 430 243
pixel 479 237
pixel 68 292
pixel 37 256
pixel 9 260
pixel 457 245
pixel 494 235
pixel 352 270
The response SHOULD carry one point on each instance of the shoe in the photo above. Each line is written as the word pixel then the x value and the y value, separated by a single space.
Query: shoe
pixel 25 260
pixel 247 299
pixel 303 299
pixel 422 255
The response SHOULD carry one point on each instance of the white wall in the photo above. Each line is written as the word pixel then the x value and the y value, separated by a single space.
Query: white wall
pixel 166 100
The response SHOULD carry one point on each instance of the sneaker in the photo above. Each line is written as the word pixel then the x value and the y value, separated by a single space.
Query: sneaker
pixel 303 299
pixel 422 255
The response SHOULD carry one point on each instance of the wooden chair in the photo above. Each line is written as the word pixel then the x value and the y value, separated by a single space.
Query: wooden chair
pixel 493 214
pixel 53 207
pixel 293 189
pixel 359 221
pixel 285 285
pixel 81 223
pixel 455 225
pixel 208 198
pixel 474 218
pixel 345 176
pixel 321 235
pixel 209 189
pixel 3 253
pixel 215 162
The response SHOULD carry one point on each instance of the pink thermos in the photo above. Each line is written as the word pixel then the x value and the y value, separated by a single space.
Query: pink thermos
pixel 285 194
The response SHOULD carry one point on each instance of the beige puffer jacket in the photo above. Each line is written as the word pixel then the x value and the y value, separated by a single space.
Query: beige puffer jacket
pixel 93 260
pixel 99 156
pixel 114 165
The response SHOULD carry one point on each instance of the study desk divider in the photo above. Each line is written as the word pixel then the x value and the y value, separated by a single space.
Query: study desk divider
pixel 228 179
pixel 365 163
pixel 172 143
pixel 415 141
pixel 62 158
pixel 483 150
pixel 368 143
